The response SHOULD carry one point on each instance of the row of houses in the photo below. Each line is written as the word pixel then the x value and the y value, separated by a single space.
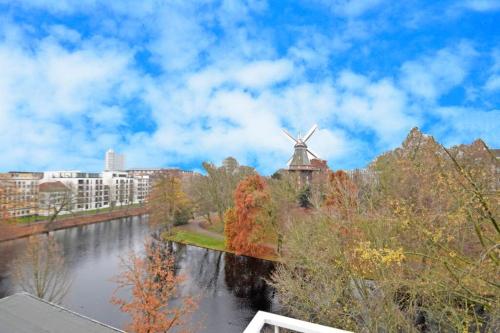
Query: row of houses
pixel 44 193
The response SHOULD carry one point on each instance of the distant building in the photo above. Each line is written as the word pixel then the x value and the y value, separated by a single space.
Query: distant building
pixel 54 197
pixel 121 187
pixel 114 161
pixel 87 188
pixel 21 195
pixel 141 188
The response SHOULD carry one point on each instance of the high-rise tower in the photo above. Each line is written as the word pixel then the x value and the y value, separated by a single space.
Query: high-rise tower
pixel 114 161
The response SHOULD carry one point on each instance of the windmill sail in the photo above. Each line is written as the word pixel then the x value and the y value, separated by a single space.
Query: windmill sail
pixel 300 159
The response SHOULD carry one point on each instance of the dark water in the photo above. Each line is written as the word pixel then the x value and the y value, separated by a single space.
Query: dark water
pixel 232 288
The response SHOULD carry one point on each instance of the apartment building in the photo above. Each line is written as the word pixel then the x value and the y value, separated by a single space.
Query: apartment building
pixel 142 188
pixel 114 161
pixel 121 187
pixel 19 195
pixel 87 188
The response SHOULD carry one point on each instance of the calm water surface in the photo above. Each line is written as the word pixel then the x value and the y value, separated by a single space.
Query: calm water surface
pixel 232 288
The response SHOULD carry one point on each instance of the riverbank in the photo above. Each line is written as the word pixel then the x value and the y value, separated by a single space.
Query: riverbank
pixel 194 234
pixel 14 231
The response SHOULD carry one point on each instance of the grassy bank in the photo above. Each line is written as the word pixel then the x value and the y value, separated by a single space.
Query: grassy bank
pixel 193 238
pixel 37 218
pixel 197 239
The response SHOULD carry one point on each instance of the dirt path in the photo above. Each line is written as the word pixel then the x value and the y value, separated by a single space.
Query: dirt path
pixel 195 226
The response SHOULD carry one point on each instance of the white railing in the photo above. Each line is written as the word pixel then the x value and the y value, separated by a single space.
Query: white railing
pixel 262 318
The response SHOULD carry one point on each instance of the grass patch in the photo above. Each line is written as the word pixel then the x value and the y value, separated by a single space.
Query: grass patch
pixel 193 238
pixel 217 226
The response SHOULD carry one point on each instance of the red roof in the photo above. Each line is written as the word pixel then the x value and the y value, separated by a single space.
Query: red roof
pixel 53 187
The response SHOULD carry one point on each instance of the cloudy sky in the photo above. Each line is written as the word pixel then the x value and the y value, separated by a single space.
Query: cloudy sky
pixel 174 83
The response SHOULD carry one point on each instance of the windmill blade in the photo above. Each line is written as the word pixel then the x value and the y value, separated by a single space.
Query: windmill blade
pixel 313 154
pixel 311 131
pixel 289 136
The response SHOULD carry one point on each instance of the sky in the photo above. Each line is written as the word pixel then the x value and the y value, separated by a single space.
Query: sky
pixel 176 83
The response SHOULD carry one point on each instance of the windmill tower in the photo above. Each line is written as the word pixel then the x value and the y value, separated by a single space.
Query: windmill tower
pixel 302 155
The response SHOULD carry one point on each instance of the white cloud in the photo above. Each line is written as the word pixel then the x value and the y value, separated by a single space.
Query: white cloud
pixel 433 75
pixel 493 83
pixel 214 95
pixel 351 8
pixel 55 104
pixel 481 5
pixel 462 123
pixel 264 73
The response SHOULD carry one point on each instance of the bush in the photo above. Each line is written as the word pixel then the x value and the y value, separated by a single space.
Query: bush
pixel 183 215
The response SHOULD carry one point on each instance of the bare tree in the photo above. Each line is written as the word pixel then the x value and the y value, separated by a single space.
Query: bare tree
pixel 57 201
pixel 41 271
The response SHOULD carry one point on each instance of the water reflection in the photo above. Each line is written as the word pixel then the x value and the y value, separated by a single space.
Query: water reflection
pixel 246 278
pixel 231 288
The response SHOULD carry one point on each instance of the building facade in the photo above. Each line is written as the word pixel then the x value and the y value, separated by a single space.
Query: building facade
pixel 19 195
pixel 87 188
pixel 141 188
pixel 121 187
pixel 54 198
pixel 114 161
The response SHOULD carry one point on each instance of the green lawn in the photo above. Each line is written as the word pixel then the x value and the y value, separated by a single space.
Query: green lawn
pixel 217 227
pixel 193 238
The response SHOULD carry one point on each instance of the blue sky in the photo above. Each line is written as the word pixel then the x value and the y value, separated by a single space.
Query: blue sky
pixel 175 83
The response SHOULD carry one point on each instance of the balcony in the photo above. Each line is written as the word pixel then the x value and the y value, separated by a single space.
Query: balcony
pixel 276 321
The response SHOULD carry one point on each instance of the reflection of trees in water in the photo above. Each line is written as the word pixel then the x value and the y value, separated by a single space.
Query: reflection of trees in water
pixel 246 278
pixel 9 250
pixel 40 269
pixel 202 265
pixel 100 239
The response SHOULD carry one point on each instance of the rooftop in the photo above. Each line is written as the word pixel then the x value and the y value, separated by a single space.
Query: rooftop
pixel 25 313
pixel 56 186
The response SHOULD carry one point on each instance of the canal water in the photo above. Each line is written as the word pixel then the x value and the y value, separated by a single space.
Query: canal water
pixel 231 288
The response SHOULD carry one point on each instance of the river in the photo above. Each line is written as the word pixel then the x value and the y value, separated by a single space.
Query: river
pixel 231 288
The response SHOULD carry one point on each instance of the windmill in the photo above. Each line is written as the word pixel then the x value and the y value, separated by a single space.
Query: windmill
pixel 302 154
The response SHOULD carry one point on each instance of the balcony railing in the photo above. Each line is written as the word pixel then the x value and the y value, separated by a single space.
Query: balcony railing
pixel 277 321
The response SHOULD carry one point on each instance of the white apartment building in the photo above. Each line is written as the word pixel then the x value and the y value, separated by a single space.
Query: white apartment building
pixel 114 161
pixel 121 187
pixel 20 195
pixel 88 189
pixel 142 188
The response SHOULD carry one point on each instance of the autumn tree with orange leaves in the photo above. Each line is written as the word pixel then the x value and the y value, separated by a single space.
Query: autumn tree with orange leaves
pixel 153 284
pixel 247 223
pixel 341 197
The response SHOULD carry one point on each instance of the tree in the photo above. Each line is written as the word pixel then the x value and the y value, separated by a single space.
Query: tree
pixel 284 193
pixel 246 224
pixel 420 255
pixel 342 194
pixel 41 270
pixel 198 191
pixel 167 200
pixel 56 198
pixel 304 197
pixel 214 191
pixel 153 284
